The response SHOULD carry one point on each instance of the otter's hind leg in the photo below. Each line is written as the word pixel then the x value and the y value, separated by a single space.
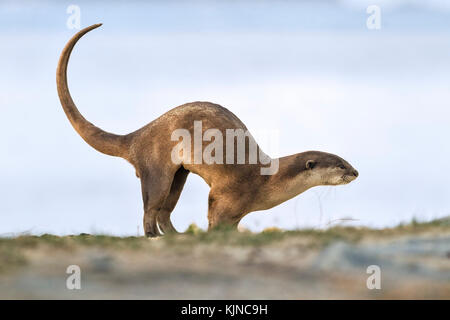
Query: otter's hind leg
pixel 163 218
pixel 155 186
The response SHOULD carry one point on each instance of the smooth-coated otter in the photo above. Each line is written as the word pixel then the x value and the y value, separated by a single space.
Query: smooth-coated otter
pixel 237 187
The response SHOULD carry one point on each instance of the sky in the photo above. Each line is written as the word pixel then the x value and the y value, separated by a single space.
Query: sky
pixel 309 70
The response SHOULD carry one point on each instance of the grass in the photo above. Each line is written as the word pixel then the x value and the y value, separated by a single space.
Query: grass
pixel 318 237
pixel 12 249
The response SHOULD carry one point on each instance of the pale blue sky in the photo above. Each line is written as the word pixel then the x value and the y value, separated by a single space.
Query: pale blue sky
pixel 310 70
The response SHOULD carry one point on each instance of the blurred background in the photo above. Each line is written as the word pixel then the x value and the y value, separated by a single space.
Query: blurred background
pixel 310 70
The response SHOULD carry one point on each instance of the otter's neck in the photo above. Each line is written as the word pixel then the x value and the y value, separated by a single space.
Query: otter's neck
pixel 291 179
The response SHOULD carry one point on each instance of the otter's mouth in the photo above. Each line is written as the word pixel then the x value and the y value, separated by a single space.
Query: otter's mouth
pixel 348 178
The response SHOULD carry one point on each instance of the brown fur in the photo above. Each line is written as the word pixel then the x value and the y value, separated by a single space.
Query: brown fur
pixel 236 189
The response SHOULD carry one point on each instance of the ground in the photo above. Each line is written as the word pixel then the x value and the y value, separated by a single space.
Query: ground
pixel 414 262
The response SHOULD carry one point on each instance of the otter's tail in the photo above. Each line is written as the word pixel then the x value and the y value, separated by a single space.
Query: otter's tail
pixel 105 142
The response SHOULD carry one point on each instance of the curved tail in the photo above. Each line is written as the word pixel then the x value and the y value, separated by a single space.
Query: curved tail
pixel 105 142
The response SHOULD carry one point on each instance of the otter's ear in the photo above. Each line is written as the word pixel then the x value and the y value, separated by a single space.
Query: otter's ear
pixel 310 164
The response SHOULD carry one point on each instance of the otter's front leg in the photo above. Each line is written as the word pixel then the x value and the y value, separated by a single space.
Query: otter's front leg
pixel 224 210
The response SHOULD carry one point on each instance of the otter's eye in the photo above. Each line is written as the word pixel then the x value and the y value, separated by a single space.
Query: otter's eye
pixel 341 166
pixel 310 164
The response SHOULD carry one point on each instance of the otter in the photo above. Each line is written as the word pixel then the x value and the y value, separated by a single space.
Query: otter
pixel 236 189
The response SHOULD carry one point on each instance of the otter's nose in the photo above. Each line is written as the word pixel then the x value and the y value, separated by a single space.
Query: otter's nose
pixel 355 173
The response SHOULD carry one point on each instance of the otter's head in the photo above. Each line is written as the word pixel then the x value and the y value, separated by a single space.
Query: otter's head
pixel 327 169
